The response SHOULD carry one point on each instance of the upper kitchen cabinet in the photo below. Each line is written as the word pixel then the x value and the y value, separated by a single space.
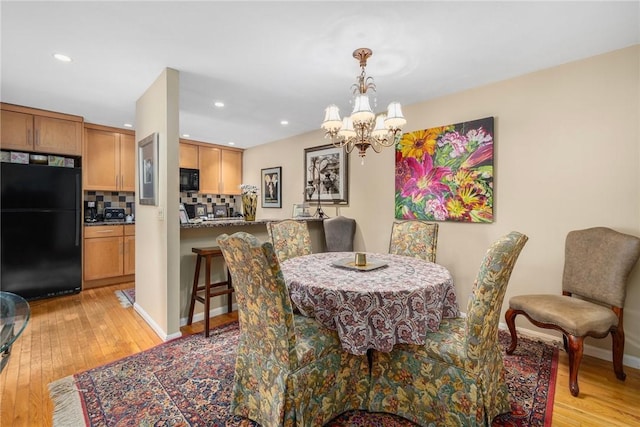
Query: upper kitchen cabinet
pixel 30 129
pixel 109 159
pixel 188 155
pixel 209 160
pixel 220 167
pixel 231 171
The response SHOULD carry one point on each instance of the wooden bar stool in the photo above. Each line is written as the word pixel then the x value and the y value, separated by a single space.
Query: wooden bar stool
pixel 208 254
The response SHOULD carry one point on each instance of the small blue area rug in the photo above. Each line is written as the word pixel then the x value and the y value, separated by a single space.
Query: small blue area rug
pixel 126 296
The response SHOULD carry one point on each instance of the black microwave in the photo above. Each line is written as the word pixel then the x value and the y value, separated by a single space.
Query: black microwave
pixel 189 179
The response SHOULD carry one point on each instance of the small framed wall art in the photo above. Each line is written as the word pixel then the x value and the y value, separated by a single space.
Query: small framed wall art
pixel 271 187
pixel 148 170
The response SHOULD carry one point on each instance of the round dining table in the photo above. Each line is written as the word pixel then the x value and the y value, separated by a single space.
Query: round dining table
pixel 393 299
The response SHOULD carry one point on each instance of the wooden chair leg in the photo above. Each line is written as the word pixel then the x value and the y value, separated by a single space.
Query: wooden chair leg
pixel 229 299
pixel 194 291
pixel 617 336
pixel 510 318
pixel 207 295
pixel 575 357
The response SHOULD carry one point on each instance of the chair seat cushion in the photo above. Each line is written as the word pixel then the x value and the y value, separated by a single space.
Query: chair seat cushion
pixel 313 340
pixel 575 316
pixel 446 344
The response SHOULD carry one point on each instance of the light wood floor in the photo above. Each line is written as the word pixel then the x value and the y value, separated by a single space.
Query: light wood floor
pixel 70 334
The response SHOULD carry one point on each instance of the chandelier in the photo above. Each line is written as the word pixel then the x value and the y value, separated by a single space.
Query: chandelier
pixel 363 129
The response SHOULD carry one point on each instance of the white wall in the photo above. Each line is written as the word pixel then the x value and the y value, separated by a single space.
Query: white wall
pixel 157 227
pixel 566 157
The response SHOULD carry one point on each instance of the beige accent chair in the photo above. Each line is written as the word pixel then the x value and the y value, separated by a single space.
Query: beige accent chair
pixel 290 238
pixel 414 238
pixel 596 267
pixel 339 233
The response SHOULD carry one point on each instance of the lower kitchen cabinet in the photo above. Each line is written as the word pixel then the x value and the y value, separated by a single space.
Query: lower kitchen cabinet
pixel 129 249
pixel 109 254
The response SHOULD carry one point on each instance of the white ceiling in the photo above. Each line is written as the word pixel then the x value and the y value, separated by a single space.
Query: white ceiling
pixel 271 61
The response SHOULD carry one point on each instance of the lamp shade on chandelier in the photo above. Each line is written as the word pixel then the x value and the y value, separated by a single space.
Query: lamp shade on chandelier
pixel 363 129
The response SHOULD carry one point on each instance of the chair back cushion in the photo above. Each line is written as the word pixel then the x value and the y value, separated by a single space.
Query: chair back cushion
pixel 289 238
pixel 338 233
pixel 598 262
pixel 264 308
pixel 414 238
pixel 483 308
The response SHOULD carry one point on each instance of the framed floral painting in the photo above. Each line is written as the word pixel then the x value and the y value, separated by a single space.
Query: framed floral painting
pixel 446 173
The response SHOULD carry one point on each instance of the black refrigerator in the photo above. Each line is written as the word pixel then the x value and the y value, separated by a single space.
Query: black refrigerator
pixel 40 224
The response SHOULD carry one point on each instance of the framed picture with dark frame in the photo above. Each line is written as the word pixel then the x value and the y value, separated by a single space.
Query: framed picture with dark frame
pixel 184 218
pixel 220 211
pixel 271 187
pixel 148 170
pixel 201 210
pixel 326 174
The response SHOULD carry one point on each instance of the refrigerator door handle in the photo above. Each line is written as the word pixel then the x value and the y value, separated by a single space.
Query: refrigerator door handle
pixel 78 210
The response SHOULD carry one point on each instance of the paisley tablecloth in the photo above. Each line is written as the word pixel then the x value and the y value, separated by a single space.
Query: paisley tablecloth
pixel 374 309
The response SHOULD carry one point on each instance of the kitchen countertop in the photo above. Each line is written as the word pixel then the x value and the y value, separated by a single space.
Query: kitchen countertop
pixel 226 222
pixel 222 222
pixel 101 223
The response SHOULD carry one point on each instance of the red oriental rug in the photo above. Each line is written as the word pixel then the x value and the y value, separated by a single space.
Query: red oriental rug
pixel 188 382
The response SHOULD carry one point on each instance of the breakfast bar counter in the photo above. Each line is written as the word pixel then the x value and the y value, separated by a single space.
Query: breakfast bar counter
pixel 204 234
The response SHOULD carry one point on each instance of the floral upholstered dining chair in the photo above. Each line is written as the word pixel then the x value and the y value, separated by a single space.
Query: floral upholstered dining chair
pixel 290 370
pixel 414 238
pixel 457 377
pixel 290 238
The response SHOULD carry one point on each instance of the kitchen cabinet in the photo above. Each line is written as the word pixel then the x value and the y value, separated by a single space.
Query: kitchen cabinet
pixel 231 171
pixel 40 131
pixel 209 160
pixel 188 155
pixel 109 159
pixel 109 254
pixel 129 249
pixel 220 167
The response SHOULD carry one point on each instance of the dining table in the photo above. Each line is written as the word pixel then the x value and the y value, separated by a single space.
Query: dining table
pixel 392 299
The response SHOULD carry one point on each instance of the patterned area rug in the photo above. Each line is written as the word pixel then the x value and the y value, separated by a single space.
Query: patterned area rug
pixel 188 382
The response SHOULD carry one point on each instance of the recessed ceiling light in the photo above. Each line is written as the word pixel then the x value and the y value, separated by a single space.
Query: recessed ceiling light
pixel 128 125
pixel 284 122
pixel 185 135
pixel 218 104
pixel 231 143
pixel 61 57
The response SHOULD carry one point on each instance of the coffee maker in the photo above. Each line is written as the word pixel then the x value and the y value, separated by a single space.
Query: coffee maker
pixel 90 212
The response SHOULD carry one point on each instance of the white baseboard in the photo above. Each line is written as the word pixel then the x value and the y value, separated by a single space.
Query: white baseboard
pixel 600 353
pixel 199 317
pixel 156 328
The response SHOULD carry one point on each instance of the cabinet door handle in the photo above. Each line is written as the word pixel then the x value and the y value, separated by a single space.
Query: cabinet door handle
pixel 37 137
pixel 29 136
pixel 116 182
pixel 105 231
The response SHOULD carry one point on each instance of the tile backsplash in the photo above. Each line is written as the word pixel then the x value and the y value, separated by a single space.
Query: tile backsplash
pixel 127 200
pixel 210 200
pixel 112 199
